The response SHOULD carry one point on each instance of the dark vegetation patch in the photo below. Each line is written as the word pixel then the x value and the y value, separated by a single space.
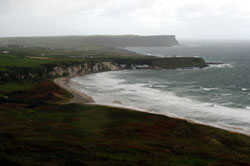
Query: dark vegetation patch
pixel 96 135
pixel 51 133
pixel 41 93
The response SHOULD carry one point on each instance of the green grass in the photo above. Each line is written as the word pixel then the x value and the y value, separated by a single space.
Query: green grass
pixel 16 86
pixel 96 135
pixel 19 57
pixel 6 62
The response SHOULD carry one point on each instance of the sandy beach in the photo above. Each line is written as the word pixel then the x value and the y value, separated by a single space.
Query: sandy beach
pixel 78 97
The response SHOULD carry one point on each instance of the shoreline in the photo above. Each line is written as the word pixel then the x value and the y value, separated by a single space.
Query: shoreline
pixel 78 97
pixel 83 98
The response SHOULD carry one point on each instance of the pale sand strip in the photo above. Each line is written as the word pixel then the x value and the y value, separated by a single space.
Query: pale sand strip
pixel 78 97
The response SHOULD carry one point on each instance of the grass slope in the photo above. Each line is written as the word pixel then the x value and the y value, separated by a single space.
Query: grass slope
pixel 71 134
pixel 21 57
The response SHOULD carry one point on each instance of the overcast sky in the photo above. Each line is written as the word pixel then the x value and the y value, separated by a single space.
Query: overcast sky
pixel 187 19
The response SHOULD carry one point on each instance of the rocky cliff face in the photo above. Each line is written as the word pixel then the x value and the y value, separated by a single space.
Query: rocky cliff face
pixel 57 71
pixel 83 69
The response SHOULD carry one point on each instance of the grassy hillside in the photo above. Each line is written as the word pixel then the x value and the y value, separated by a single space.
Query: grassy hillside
pixel 47 133
pixel 34 57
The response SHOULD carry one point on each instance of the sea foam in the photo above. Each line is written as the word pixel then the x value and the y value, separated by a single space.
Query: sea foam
pixel 108 87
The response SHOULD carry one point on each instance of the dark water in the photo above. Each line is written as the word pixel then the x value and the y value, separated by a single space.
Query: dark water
pixel 218 95
pixel 224 84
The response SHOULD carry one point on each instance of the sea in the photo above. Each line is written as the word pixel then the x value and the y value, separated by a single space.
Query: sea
pixel 218 95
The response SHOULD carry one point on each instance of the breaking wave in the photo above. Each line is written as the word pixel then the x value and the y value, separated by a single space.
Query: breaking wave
pixel 107 88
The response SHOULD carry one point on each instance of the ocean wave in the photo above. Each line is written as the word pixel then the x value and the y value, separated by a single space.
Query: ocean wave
pixel 160 86
pixel 224 65
pixel 152 82
pixel 163 102
pixel 188 68
pixel 245 89
pixel 226 94
pixel 208 89
pixel 227 104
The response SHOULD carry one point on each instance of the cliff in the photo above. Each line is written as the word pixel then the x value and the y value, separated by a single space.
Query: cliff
pixel 92 66
pixel 85 68
pixel 56 70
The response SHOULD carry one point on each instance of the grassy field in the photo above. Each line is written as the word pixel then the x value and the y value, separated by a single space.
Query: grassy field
pixel 26 57
pixel 15 86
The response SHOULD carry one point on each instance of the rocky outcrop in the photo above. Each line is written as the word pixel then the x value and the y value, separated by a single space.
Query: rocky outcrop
pixel 164 63
pixel 85 68
pixel 57 70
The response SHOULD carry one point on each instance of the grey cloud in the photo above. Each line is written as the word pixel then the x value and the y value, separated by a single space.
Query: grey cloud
pixel 186 19
pixel 5 6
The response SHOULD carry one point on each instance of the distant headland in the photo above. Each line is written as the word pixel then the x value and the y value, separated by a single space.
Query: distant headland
pixel 132 40
pixel 95 40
